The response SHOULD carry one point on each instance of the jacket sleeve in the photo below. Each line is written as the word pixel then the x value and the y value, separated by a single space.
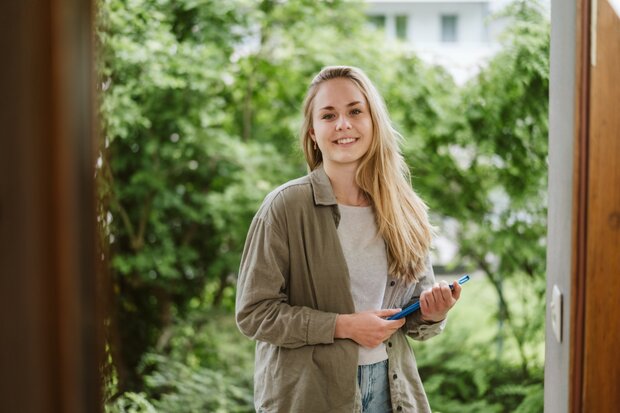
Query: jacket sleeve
pixel 415 326
pixel 262 309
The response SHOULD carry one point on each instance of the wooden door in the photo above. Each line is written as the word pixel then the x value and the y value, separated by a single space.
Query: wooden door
pixel 51 345
pixel 596 332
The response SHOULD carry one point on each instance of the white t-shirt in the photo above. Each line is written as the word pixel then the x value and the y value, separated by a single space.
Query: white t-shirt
pixel 366 257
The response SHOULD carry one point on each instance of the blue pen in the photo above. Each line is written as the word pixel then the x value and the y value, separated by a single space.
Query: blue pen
pixel 416 306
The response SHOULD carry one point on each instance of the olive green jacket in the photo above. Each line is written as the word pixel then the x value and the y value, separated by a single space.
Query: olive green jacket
pixel 293 282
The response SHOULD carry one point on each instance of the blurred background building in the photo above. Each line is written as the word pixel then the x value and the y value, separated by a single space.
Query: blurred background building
pixel 456 34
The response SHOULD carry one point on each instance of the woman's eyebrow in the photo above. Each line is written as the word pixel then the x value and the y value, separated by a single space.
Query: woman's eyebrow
pixel 357 102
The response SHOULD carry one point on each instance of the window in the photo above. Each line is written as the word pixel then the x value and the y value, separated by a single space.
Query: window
pixel 401 27
pixel 377 21
pixel 449 28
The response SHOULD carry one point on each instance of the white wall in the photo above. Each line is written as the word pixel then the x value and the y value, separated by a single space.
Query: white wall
pixel 476 37
pixel 424 20
pixel 559 227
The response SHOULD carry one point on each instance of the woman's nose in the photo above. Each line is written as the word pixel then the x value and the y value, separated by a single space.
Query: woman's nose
pixel 343 123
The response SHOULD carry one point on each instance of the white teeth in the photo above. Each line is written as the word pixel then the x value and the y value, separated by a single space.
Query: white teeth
pixel 345 140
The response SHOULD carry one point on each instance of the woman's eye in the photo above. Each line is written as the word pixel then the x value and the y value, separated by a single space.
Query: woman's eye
pixel 327 116
pixel 356 112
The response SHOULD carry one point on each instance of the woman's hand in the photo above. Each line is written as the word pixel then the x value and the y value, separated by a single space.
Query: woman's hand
pixel 437 301
pixel 367 328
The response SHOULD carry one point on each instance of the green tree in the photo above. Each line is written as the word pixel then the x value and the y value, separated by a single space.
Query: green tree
pixel 180 187
pixel 488 172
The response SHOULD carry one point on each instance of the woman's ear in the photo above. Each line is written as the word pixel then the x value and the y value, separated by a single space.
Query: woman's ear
pixel 311 132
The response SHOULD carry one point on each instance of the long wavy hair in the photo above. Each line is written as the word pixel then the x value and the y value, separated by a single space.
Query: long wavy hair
pixel 401 215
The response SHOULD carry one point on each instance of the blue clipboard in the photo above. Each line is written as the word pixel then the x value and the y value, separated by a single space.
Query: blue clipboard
pixel 416 306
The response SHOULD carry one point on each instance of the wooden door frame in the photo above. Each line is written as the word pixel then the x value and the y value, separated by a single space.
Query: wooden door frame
pixel 50 293
pixel 580 201
pixel 594 340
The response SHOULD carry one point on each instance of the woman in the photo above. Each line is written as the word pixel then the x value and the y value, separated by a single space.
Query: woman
pixel 331 255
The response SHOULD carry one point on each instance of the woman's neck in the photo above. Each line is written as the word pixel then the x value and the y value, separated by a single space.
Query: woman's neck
pixel 345 188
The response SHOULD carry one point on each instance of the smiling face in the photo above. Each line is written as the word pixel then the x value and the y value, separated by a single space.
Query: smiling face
pixel 341 123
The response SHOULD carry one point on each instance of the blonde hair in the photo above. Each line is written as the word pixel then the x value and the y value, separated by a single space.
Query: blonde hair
pixel 402 217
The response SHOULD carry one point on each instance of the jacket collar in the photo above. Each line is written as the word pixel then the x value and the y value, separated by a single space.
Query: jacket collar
pixel 322 187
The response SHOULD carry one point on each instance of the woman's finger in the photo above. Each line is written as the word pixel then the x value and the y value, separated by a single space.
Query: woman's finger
pixel 431 302
pixel 387 312
pixel 456 291
pixel 445 293
pixel 395 324
pixel 438 298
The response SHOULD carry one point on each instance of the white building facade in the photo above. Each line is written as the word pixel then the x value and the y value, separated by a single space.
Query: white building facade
pixel 457 34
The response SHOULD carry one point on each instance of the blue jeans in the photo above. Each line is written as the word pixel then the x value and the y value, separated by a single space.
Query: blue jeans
pixel 374 387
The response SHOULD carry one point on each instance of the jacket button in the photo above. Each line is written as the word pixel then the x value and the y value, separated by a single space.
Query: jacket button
pixel 393 283
pixel 395 376
pixel 389 344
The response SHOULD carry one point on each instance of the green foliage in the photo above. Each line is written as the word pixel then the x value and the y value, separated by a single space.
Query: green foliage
pixel 131 403
pixel 460 370
pixel 194 390
pixel 200 105
pixel 487 169
pixel 209 369
pixel 180 186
